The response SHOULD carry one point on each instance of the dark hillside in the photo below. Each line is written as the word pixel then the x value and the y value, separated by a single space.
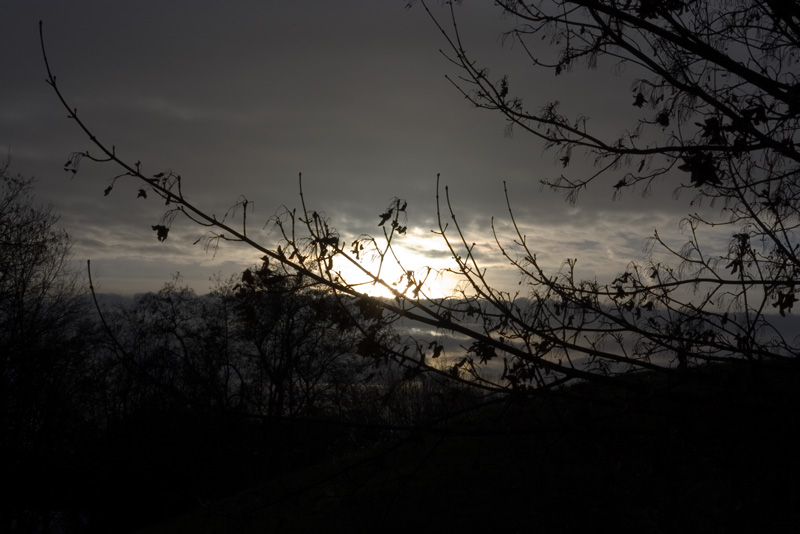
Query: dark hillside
pixel 712 450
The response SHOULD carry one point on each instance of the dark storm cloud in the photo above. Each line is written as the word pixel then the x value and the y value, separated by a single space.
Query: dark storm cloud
pixel 240 98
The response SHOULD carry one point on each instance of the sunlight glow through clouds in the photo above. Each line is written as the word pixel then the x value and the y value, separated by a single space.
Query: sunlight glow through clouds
pixel 602 250
pixel 410 251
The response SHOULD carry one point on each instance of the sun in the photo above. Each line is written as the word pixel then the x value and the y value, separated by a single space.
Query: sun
pixel 418 253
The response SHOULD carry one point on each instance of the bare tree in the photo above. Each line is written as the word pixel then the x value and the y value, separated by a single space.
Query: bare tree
pixel 41 302
pixel 717 116
pixel 45 368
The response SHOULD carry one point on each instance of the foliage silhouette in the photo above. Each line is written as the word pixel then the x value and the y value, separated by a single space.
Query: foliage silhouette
pixel 265 344
pixel 715 116
pixel 718 101
pixel 717 113
pixel 46 378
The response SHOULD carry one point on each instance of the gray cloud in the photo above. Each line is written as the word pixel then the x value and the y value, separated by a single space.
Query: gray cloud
pixel 241 98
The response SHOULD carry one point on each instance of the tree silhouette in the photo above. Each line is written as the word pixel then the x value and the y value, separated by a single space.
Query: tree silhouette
pixel 718 107
pixel 46 382
pixel 717 114
pixel 41 303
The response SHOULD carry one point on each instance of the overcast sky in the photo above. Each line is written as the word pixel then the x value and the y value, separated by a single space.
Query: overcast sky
pixel 240 97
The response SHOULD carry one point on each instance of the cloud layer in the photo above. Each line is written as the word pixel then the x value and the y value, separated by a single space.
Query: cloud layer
pixel 241 99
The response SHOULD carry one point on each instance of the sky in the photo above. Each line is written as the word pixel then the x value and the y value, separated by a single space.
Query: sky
pixel 240 98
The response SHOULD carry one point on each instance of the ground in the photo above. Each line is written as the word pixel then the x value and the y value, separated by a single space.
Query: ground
pixel 710 451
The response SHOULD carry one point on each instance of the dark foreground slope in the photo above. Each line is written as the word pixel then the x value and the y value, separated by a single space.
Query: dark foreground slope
pixel 715 450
